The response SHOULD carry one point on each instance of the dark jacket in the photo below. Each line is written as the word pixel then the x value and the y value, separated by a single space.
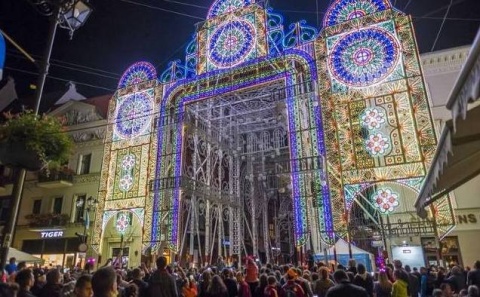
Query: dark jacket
pixel 231 285
pixel 51 290
pixel 24 293
pixel 473 277
pixel 365 281
pixel 142 287
pixel 346 289
pixel 162 284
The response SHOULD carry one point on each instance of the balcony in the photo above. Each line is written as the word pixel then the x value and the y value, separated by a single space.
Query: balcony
pixel 55 180
pixel 47 220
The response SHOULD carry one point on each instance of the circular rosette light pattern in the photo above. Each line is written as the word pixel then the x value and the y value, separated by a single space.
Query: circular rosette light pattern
pixel 123 221
pixel 231 43
pixel 137 73
pixel 364 57
pixel 220 7
pixel 128 162
pixel 344 10
pixel 386 200
pixel 377 144
pixel 373 118
pixel 134 116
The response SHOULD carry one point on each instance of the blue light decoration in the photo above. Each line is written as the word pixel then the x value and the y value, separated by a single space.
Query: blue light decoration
pixel 133 116
pixel 299 33
pixel 364 57
pixel 226 6
pixel 2 55
pixel 137 73
pixel 344 10
pixel 177 70
pixel 231 43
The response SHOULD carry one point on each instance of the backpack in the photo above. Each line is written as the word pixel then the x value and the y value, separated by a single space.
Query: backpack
pixel 293 290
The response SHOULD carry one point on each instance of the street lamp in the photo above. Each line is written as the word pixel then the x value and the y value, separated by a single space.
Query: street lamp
pixel 90 204
pixel 69 14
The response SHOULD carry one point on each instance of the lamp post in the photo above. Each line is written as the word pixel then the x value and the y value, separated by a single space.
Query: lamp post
pixel 69 14
pixel 90 204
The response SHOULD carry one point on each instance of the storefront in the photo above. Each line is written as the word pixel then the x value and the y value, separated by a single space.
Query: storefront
pixel 54 247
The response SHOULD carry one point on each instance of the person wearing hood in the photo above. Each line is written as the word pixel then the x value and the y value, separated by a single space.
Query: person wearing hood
pixel 400 287
pixel 162 283
pixel 364 279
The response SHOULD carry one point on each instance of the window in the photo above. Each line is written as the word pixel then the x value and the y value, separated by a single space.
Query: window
pixel 5 209
pixel 37 205
pixel 57 205
pixel 84 166
pixel 80 202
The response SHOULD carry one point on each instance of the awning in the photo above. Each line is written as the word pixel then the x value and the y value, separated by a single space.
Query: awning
pixel 457 159
pixel 22 256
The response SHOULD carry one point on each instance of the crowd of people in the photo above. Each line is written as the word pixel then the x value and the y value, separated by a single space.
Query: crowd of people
pixel 252 280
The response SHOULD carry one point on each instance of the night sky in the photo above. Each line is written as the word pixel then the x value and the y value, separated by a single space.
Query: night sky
pixel 121 32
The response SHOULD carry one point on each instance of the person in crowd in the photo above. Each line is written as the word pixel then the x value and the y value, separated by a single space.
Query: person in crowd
pixel 40 281
pixel 344 288
pixel 400 286
pixel 440 278
pixel 473 276
pixel 364 279
pixel 162 283
pixel 292 288
pixel 423 282
pixel 251 274
pixel 189 287
pixel 217 288
pixel 262 284
pixel 8 289
pixel 463 293
pixel 230 282
pixel 25 281
pixel 131 290
pixel 243 286
pixel 413 282
pixel 323 283
pixel 437 293
pixel 307 288
pixel 352 266
pixel 457 279
pixel 11 267
pixel 272 289
pixel 204 283
pixel 83 286
pixel 220 264
pixel 447 289
pixel 473 291
pixel 53 287
pixel 137 279
pixel 104 282
pixel 382 287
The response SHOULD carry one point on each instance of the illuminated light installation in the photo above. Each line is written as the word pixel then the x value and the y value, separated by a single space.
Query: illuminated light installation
pixel 123 222
pixel 226 6
pixel 386 200
pixel 137 73
pixel 345 10
pixel 343 111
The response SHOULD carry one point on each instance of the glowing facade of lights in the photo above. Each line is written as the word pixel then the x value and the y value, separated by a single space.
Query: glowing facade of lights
pixel 137 73
pixel 366 103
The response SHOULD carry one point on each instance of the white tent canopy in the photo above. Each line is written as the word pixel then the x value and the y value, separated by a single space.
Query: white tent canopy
pixel 341 247
pixel 22 256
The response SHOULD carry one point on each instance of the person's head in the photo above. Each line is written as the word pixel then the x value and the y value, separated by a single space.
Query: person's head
pixel 397 264
pixel 446 289
pixel 352 263
pixel 21 265
pixel 415 269
pixel 239 276
pixel 291 274
pixel 104 282
pixel 473 291
pixel 423 270
pixel 340 276
pixel 361 268
pixel 12 260
pixel 131 290
pixel 137 273
pixel 217 286
pixel 323 272
pixel 54 276
pixel 397 274
pixel 8 290
pixel 161 262
pixel 25 278
pixel 272 280
pixel 408 269
pixel 437 293
pixel 463 293
pixel 476 265
pixel 383 277
pixel 226 273
pixel 83 286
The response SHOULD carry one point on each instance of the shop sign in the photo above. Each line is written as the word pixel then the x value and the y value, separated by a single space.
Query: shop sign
pixel 51 234
pixel 467 219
